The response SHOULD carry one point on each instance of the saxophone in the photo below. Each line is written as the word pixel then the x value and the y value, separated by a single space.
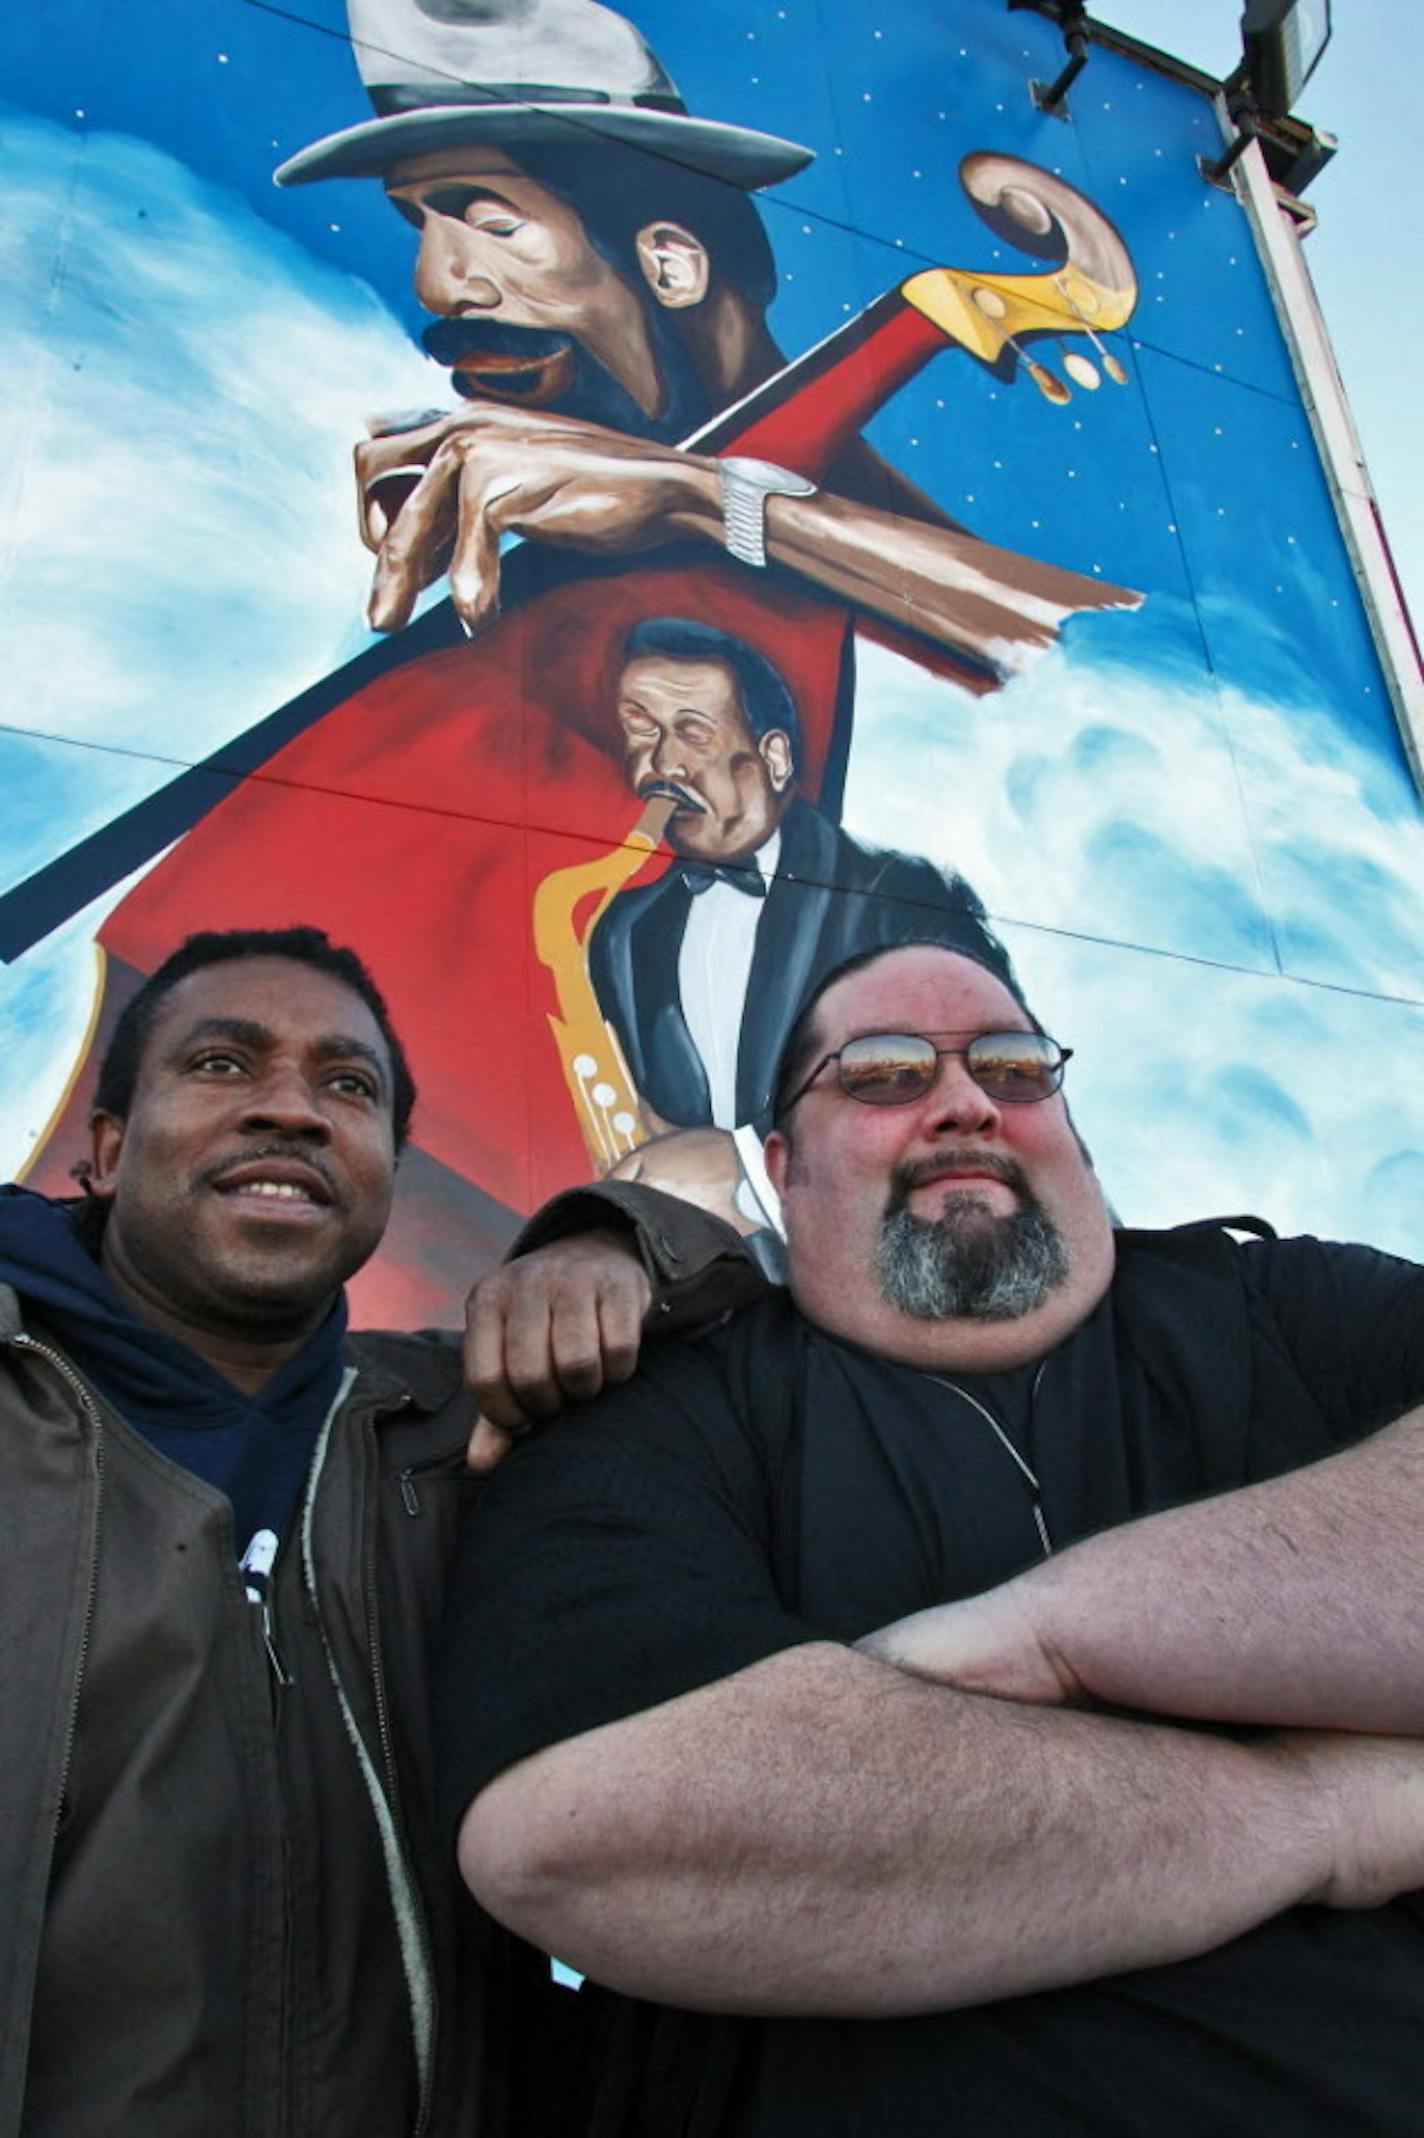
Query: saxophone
pixel 605 1097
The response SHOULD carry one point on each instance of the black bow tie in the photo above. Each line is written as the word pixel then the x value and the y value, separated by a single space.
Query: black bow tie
pixel 699 876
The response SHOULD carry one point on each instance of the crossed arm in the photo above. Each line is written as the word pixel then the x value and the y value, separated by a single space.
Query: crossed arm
pixel 1299 1602
pixel 819 1833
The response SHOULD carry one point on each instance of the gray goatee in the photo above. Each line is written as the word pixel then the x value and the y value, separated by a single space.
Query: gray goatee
pixel 970 1261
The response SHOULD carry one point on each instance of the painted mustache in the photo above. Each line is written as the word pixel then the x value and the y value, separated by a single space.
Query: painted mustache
pixel 669 790
pixel 532 365
pixel 447 340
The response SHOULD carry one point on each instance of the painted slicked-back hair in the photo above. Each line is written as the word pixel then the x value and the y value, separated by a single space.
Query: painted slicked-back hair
pixel 123 1057
pixel 803 1041
pixel 617 191
pixel 766 701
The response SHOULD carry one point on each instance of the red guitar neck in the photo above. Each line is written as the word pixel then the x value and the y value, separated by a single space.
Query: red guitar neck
pixel 803 416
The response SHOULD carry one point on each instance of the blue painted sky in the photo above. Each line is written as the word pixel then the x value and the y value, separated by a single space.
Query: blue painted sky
pixel 1364 255
pixel 1172 811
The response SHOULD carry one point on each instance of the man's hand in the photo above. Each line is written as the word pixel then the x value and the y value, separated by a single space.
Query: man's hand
pixel 1369 1792
pixel 442 493
pixel 986 1644
pixel 551 1329
pixel 490 471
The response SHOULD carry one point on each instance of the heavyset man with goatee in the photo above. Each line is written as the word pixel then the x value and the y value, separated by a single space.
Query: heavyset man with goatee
pixel 1122 1842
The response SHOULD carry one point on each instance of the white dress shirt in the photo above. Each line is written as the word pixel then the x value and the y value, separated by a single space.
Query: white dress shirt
pixel 713 970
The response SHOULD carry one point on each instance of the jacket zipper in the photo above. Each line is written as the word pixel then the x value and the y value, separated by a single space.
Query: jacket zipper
pixel 24 1342
pixel 281 1675
pixel 383 1723
pixel 431 1467
pixel 411 1929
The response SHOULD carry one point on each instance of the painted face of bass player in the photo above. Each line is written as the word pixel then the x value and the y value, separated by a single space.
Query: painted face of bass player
pixel 253 1172
pixel 532 311
pixel 842 1168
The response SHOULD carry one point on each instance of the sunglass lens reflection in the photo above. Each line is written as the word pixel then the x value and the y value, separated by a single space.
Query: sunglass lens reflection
pixel 1013 1065
pixel 892 1068
pixel 887 1069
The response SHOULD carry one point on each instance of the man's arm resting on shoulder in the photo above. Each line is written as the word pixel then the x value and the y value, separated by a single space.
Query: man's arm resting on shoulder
pixel 819 1834
pixel 593 1271
pixel 1297 1602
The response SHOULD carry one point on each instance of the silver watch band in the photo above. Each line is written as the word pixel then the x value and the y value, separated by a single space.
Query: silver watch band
pixel 746 486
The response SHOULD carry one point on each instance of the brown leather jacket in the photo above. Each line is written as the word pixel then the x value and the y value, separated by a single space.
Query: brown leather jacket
pixel 226 1909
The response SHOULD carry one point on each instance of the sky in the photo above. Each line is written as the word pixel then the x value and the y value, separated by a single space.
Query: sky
pixel 1364 256
pixel 185 400
pixel 1095 804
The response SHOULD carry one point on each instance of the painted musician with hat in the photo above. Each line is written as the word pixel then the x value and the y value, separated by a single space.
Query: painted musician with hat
pixel 601 281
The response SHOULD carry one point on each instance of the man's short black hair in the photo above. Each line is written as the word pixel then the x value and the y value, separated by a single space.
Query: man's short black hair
pixel 803 1041
pixel 616 191
pixel 123 1057
pixel 766 701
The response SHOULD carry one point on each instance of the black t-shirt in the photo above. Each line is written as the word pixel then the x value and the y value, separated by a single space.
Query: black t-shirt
pixel 769 1485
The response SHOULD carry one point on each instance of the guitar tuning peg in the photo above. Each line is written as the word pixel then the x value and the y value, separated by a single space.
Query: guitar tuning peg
pixel 1115 370
pixel 1080 369
pixel 1049 385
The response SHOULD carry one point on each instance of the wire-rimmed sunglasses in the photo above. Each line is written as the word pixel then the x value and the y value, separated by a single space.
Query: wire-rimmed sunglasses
pixel 894 1068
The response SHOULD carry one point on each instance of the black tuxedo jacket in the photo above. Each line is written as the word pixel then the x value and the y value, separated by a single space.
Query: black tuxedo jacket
pixel 829 900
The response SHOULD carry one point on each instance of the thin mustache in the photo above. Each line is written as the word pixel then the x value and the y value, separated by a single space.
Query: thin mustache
pixel 669 788
pixel 918 1172
pixel 287 1153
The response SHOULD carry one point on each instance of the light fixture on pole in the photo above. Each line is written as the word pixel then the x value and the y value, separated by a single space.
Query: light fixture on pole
pixel 1071 17
pixel 1282 41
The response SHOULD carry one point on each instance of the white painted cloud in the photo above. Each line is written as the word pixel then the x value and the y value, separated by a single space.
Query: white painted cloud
pixel 1127 804
pixel 1194 836
pixel 1203 1091
pixel 180 387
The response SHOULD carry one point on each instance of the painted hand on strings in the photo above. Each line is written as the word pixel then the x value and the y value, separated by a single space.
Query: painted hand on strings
pixel 437 497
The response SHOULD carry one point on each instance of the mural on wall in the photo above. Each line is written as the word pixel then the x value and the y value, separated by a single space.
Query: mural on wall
pixel 796 602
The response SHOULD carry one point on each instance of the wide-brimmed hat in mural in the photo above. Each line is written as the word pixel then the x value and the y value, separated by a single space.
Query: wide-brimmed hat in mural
pixel 445 72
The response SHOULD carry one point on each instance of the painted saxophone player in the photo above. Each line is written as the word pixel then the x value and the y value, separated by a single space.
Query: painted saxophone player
pixel 696 976
pixel 600 279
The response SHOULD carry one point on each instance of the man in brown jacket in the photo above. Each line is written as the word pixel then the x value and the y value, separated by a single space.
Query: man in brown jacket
pixel 225 1527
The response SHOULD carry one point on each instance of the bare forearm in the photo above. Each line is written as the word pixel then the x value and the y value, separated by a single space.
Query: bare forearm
pixel 1296 1602
pixel 945 585
pixel 819 1834
pixel 930 578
